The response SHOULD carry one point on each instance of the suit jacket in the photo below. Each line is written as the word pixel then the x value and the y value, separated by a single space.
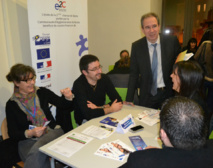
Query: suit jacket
pixel 172 157
pixel 140 67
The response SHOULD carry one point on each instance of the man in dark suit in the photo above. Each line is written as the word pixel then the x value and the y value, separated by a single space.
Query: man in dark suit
pixel 154 73
pixel 183 133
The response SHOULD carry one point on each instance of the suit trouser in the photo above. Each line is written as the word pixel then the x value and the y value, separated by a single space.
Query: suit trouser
pixel 157 100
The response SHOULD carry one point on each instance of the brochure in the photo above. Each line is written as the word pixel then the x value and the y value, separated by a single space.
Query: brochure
pixel 138 142
pixel 110 121
pixel 116 150
pixel 150 117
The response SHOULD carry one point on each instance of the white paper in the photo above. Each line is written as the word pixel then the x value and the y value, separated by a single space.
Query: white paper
pixel 98 132
pixel 150 117
pixel 46 123
pixel 188 56
pixel 70 144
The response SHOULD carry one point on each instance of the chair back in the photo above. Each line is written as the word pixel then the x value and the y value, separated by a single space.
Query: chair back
pixel 111 67
pixel 211 135
pixel 4 129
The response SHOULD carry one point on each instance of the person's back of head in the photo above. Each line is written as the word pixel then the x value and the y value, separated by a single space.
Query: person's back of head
pixel 183 121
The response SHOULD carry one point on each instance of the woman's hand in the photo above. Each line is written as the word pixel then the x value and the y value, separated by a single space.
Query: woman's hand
pixel 67 93
pixel 36 132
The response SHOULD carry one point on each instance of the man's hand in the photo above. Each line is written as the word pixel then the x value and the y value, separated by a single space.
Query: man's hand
pixel 128 103
pixel 116 106
pixel 91 105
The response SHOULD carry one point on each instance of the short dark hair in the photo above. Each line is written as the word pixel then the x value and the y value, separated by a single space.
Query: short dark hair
pixel 123 52
pixel 86 60
pixel 183 121
pixel 20 72
pixel 191 77
pixel 147 15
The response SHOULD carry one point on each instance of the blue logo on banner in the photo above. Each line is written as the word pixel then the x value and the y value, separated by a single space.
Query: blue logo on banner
pixel 43 53
pixel 41 40
pixel 82 44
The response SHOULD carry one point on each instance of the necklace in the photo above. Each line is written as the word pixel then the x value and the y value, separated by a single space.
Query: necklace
pixel 93 87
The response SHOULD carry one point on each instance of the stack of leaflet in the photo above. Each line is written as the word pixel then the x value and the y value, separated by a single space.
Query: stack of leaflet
pixel 116 150
pixel 149 117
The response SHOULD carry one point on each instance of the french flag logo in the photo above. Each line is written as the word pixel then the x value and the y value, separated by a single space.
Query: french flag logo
pixel 45 77
pixel 45 64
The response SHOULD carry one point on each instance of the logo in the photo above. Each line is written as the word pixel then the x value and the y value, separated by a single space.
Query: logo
pixel 82 44
pixel 44 66
pixel 43 53
pixel 60 5
pixel 45 78
pixel 41 40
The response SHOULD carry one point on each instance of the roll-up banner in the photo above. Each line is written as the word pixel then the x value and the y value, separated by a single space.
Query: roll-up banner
pixel 58 39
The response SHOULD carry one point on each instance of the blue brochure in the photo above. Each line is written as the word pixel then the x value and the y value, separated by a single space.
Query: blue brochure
pixel 138 142
pixel 110 121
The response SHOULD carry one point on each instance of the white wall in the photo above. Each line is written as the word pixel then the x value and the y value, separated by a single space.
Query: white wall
pixel 14 40
pixel 113 26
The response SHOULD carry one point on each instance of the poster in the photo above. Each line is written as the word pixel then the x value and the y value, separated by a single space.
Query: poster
pixel 58 39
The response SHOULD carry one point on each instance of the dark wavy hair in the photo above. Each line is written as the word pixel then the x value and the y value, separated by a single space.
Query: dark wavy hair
pixel 20 72
pixel 191 77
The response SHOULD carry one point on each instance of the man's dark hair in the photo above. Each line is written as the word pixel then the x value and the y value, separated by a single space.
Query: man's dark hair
pixel 123 52
pixel 191 77
pixel 86 60
pixel 147 15
pixel 183 121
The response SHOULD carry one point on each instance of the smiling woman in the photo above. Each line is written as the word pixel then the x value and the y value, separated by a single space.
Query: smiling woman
pixel 188 78
pixel 28 113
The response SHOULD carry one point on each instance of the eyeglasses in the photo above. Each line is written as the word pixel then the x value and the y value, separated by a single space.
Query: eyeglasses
pixel 28 81
pixel 96 68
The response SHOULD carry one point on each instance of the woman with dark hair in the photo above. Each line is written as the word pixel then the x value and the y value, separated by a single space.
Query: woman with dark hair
pixel 191 46
pixel 124 55
pixel 27 113
pixel 187 78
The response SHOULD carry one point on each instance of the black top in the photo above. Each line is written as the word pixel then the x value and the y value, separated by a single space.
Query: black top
pixel 172 157
pixel 17 119
pixel 84 92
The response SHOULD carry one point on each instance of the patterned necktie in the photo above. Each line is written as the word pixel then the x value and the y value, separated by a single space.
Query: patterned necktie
pixel 154 71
